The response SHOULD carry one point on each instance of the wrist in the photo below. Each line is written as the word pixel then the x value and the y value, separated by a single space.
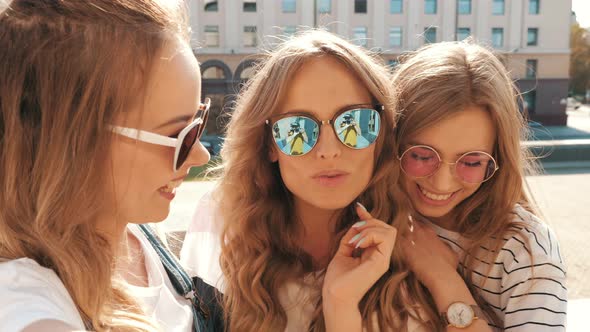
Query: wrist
pixel 448 289
pixel 340 316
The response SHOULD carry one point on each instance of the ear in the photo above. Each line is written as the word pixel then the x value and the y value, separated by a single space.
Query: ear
pixel 273 154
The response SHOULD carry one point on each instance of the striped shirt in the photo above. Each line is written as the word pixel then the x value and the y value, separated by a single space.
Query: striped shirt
pixel 526 294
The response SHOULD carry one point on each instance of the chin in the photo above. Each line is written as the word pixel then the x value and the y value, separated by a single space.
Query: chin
pixel 432 212
pixel 330 202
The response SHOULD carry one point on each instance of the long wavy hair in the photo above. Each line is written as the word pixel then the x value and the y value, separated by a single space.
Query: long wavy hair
pixel 260 252
pixel 67 69
pixel 442 79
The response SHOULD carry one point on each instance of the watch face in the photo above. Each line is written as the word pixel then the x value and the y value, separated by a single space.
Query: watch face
pixel 460 314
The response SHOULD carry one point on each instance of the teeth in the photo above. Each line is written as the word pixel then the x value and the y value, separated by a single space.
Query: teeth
pixel 171 186
pixel 435 197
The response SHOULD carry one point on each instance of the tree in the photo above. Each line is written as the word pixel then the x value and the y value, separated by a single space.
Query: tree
pixel 580 60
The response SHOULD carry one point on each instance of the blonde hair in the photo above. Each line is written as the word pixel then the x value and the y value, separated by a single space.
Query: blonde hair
pixel 442 79
pixel 68 68
pixel 259 248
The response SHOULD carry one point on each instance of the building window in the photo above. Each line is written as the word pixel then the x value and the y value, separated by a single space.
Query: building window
pixel 325 6
pixel 530 101
pixel 429 6
pixel 289 30
pixel 463 33
pixel 211 35
pixel 498 37
pixel 429 35
pixel 498 7
pixel 395 36
pixel 532 37
pixel 534 7
pixel 396 6
pixel 211 6
pixel 464 7
pixel 359 35
pixel 289 6
pixel 250 6
pixel 531 68
pixel 360 6
pixel 250 38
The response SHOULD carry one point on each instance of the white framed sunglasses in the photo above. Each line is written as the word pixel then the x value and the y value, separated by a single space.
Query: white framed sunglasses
pixel 182 144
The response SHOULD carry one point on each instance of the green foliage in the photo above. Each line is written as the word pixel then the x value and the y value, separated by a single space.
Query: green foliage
pixel 580 60
pixel 201 173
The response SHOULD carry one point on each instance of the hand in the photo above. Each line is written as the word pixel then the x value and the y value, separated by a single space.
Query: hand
pixel 348 278
pixel 428 257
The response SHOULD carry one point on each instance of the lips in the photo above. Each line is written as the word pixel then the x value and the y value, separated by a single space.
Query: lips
pixel 434 198
pixel 170 188
pixel 330 178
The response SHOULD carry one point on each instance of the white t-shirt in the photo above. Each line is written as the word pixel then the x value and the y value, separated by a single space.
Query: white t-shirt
pixel 30 293
pixel 159 300
pixel 524 300
pixel 200 255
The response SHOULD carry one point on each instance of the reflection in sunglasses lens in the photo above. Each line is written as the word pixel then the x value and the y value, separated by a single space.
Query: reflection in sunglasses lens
pixel 297 135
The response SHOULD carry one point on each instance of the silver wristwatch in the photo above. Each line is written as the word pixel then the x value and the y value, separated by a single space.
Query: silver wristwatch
pixel 461 315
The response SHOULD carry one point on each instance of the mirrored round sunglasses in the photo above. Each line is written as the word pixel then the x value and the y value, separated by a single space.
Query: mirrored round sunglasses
pixel 296 134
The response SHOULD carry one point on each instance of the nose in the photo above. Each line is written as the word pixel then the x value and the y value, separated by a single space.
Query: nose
pixel 197 156
pixel 443 180
pixel 328 146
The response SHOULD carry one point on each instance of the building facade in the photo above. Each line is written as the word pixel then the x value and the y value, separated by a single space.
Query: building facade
pixel 531 36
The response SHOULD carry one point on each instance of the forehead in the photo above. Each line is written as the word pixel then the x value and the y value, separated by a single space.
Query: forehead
pixel 471 129
pixel 323 86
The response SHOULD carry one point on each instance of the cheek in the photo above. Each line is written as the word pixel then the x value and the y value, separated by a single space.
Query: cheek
pixel 138 169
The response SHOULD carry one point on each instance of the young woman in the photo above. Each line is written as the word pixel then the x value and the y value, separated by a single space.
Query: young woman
pixel 458 140
pixel 282 236
pixel 99 123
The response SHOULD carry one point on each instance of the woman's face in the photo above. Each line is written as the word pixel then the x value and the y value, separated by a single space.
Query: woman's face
pixel 435 196
pixel 330 176
pixel 142 173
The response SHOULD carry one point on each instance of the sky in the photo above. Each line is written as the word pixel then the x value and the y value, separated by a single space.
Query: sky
pixel 582 9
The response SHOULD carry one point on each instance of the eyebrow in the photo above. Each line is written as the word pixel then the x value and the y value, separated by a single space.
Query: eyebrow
pixel 414 143
pixel 177 120
pixel 347 107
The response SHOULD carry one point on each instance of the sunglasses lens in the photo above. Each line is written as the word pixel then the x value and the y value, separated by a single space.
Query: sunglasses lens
pixel 187 144
pixel 420 161
pixel 358 128
pixel 295 135
pixel 475 167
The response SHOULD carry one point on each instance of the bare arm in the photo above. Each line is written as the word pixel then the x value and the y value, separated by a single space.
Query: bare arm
pixel 49 325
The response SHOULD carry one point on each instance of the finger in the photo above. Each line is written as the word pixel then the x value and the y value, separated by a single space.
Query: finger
pixel 383 239
pixel 362 212
pixel 344 248
pixel 351 237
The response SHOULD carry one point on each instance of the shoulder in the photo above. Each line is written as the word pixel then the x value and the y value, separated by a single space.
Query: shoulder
pixel 533 293
pixel 533 238
pixel 30 293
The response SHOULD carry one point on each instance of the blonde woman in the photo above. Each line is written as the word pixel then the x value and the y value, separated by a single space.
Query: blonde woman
pixel 282 236
pixel 458 140
pixel 99 123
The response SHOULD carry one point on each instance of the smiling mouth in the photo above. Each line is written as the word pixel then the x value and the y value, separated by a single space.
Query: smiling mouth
pixel 436 197
pixel 171 186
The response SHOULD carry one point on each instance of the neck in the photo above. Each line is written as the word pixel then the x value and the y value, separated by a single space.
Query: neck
pixel 129 258
pixel 448 221
pixel 318 231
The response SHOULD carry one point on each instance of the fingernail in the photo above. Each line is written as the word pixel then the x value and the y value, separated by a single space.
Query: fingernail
pixel 361 206
pixel 359 243
pixel 354 238
pixel 359 224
